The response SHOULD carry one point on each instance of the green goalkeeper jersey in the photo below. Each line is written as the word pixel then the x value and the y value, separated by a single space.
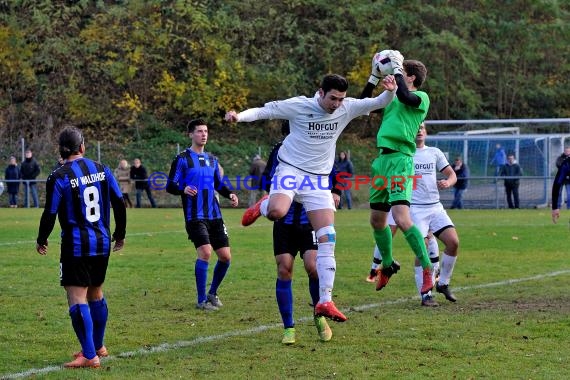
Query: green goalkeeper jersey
pixel 401 123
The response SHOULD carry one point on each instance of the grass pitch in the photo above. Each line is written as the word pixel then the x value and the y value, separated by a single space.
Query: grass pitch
pixel 512 319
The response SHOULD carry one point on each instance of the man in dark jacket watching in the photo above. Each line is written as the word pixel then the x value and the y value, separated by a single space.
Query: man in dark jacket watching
pixel 512 171
pixel 30 170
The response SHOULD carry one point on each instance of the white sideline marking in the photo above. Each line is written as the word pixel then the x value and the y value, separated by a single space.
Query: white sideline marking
pixel 32 242
pixel 212 338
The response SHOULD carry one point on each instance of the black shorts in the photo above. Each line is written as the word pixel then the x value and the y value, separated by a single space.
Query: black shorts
pixel 289 238
pixel 212 232
pixel 83 271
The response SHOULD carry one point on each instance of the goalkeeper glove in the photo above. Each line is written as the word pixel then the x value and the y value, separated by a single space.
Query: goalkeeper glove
pixel 375 74
pixel 397 60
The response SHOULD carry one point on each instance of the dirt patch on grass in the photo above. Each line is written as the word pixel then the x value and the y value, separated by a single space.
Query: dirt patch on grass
pixel 550 305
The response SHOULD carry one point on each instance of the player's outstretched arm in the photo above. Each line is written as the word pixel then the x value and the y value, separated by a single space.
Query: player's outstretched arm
pixel 231 116
pixel 389 83
pixel 251 114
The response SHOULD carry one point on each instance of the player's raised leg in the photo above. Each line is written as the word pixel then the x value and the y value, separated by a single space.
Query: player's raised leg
pixel 273 207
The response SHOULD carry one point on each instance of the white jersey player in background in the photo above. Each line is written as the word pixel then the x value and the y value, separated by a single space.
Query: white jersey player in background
pixel 430 217
pixel 306 159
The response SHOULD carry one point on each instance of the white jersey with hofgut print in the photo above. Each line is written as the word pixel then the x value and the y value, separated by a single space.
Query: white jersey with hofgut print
pixel 428 161
pixel 311 145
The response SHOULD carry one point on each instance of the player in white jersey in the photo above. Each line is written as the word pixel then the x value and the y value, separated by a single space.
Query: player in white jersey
pixel 428 213
pixel 306 159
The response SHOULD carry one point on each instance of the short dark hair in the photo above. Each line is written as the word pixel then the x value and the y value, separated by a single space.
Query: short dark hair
pixel 70 140
pixel 418 69
pixel 192 124
pixel 334 82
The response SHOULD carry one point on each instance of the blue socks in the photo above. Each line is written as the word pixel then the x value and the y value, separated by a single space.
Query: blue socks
pixel 201 272
pixel 99 314
pixel 314 290
pixel 83 326
pixel 284 295
pixel 220 271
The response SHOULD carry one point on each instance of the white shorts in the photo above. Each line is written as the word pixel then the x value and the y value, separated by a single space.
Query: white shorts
pixel 391 221
pixel 432 218
pixel 311 190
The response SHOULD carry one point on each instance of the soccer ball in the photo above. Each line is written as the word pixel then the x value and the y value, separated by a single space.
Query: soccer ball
pixel 383 63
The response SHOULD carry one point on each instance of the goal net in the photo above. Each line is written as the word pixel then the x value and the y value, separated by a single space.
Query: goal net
pixel 476 142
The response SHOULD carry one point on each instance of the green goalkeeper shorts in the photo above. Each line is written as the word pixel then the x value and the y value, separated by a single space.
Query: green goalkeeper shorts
pixel 392 178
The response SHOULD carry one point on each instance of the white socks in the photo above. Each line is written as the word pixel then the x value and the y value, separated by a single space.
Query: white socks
pixel 326 269
pixel 447 265
pixel 263 207
pixel 377 258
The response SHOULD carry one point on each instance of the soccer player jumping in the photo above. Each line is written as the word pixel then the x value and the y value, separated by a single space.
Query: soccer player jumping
pixel 306 159
pixel 396 142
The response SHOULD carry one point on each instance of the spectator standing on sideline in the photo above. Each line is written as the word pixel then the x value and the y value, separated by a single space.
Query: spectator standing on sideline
pixel 30 170
pixel 462 173
pixel 256 169
pixel 499 160
pixel 345 170
pixel 307 158
pixel 559 161
pixel 12 174
pixel 80 194
pixel 195 176
pixel 396 141
pixel 513 172
pixel 139 175
pixel 123 176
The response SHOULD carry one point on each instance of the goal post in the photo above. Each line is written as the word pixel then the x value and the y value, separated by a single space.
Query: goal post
pixel 476 142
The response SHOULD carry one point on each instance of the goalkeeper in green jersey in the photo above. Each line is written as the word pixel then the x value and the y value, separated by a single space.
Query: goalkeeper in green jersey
pixel 393 169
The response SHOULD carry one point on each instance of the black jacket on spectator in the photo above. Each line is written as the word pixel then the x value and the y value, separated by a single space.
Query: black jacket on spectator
pixel 140 177
pixel 462 177
pixel 513 170
pixel 12 173
pixel 30 169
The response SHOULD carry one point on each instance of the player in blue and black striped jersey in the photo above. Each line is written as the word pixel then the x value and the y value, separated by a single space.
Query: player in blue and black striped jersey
pixel 195 176
pixel 294 234
pixel 80 194
pixel 562 177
